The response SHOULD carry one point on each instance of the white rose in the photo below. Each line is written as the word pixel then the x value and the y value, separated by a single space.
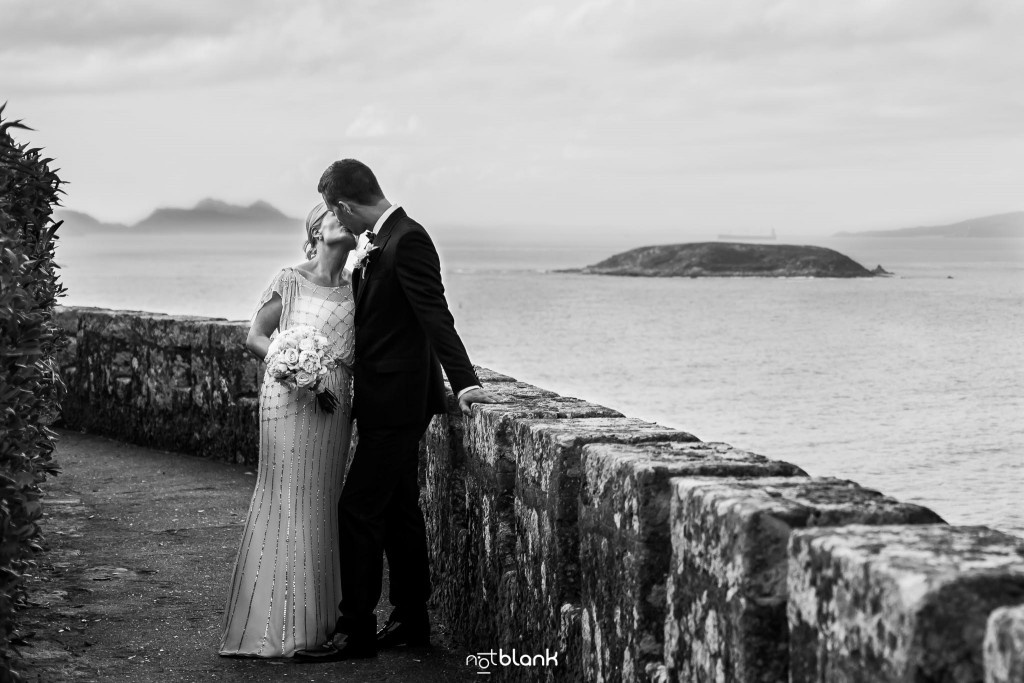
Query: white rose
pixel 305 344
pixel 304 379
pixel 308 361
pixel 280 370
pixel 290 356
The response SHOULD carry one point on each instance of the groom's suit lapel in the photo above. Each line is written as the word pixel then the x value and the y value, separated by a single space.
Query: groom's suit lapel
pixel 380 241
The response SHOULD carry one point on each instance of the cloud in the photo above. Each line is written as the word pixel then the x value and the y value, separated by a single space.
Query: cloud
pixel 508 98
pixel 660 30
pixel 106 23
pixel 374 122
pixel 115 46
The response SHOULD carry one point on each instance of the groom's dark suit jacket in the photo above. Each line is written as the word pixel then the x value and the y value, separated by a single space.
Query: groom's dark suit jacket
pixel 405 333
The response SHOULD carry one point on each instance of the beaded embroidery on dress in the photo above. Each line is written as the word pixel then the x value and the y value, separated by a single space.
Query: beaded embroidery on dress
pixel 286 584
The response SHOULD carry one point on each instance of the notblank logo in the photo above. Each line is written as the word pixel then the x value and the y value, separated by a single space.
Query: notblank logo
pixel 486 661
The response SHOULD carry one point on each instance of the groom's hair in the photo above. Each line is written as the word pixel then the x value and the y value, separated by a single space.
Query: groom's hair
pixel 350 180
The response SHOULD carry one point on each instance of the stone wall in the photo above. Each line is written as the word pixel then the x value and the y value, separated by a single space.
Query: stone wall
pixel 629 550
pixel 178 383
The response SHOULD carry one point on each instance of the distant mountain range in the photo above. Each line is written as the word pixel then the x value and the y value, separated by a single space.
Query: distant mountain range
pixel 79 221
pixel 214 214
pixel 206 215
pixel 999 225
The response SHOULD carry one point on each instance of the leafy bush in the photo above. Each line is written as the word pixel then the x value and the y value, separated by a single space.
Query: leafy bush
pixel 30 389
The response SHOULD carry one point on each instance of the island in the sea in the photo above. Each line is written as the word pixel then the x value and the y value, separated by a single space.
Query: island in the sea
pixel 730 259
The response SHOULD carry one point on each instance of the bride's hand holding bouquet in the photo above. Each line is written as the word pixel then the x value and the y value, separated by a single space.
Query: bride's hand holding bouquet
pixel 300 357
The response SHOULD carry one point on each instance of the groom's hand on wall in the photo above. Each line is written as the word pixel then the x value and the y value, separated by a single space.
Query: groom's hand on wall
pixel 476 395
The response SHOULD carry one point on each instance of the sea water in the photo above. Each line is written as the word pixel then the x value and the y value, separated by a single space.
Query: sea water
pixel 911 384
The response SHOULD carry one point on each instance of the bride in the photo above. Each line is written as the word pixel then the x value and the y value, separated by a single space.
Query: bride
pixel 286 584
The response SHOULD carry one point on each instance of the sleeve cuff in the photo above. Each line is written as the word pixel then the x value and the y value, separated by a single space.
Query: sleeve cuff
pixel 475 386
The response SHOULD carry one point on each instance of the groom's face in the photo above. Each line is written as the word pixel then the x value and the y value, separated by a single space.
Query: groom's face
pixel 352 220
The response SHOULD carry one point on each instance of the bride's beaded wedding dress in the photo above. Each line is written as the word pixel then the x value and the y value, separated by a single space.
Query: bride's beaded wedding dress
pixel 286 584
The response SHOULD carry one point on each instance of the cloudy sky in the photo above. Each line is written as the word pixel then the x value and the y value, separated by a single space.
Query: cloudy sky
pixel 680 116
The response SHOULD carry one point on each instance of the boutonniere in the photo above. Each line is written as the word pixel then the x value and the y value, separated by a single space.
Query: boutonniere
pixel 363 255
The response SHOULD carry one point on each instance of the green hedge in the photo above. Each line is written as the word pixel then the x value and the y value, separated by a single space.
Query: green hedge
pixel 30 389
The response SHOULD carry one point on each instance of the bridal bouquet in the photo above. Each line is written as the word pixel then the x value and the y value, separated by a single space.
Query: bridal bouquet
pixel 300 357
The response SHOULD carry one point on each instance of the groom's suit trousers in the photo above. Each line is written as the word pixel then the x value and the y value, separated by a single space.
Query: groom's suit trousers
pixel 379 512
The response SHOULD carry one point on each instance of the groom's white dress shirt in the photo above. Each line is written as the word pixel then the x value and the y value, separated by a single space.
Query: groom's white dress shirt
pixel 376 231
pixel 383 217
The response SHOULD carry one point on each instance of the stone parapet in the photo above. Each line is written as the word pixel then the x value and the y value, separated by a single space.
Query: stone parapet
pixel 626 547
pixel 627 550
pixel 897 603
pixel 545 515
pixel 470 505
pixel 727 583
pixel 180 383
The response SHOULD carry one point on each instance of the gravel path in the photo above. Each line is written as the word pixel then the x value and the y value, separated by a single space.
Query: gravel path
pixel 132 586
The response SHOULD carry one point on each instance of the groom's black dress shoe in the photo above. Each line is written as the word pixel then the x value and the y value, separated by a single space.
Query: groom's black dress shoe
pixel 349 650
pixel 398 632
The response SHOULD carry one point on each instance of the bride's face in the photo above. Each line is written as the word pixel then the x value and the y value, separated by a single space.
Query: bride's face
pixel 336 234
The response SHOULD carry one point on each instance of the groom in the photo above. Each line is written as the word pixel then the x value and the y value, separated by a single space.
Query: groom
pixel 405 334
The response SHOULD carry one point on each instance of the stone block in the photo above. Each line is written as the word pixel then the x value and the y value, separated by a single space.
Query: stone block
pixel 248 377
pixel 474 540
pixel 67 318
pixel 469 477
pixel 488 376
pixel 488 431
pixel 1004 646
pixel 727 584
pixel 122 362
pixel 625 544
pixel 117 327
pixel 230 362
pixel 167 331
pixel 897 603
pixel 175 364
pixel 548 477
pixel 68 354
pixel 229 335
pixel 443 501
pixel 548 451
pixel 467 508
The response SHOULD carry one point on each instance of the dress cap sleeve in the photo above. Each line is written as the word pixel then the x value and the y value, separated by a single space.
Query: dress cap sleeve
pixel 283 285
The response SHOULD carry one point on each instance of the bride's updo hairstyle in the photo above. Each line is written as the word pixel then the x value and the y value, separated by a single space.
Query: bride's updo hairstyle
pixel 313 220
